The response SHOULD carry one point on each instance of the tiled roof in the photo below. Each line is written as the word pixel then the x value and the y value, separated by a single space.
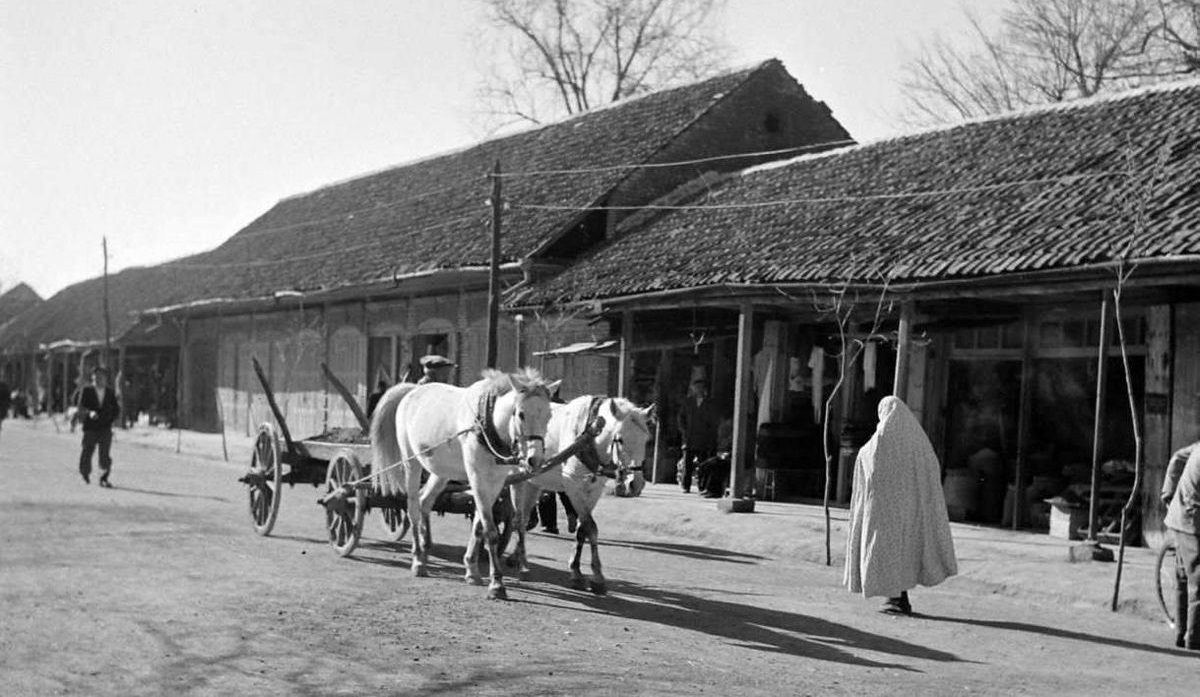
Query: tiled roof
pixel 433 214
pixel 1044 189
pixel 421 216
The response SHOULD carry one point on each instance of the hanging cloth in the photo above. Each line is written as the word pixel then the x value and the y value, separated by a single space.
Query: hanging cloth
pixel 869 356
pixel 816 362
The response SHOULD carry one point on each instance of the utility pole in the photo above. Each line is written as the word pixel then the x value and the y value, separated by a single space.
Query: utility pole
pixel 493 324
pixel 107 320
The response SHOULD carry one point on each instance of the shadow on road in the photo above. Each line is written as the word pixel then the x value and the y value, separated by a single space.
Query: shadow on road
pixel 168 494
pixel 752 627
pixel 690 551
pixel 1054 632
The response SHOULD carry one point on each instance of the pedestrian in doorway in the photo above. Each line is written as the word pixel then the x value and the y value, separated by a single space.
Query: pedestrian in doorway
pixel 1181 494
pixel 711 473
pixel 899 533
pixel 98 409
pixel 698 422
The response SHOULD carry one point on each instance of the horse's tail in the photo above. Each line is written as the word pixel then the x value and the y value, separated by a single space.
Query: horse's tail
pixel 385 445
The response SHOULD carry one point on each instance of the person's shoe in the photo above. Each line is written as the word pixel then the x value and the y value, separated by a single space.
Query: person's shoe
pixel 550 531
pixel 105 483
pixel 897 606
pixel 86 479
pixel 687 490
pixel 712 495
pixel 1179 642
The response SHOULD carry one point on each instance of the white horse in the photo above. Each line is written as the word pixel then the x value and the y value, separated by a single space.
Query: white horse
pixel 459 433
pixel 618 449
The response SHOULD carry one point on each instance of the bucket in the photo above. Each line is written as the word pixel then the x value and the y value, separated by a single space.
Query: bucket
pixel 961 489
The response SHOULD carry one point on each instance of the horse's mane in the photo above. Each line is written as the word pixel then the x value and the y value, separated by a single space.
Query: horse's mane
pixel 502 382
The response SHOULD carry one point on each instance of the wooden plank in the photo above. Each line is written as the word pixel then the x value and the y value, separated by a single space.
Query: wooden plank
pixel 1106 327
pixel 1157 446
pixel 625 361
pixel 903 351
pixel 1024 417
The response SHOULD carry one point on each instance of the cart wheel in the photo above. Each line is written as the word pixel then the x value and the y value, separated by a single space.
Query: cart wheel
pixel 265 493
pixel 1164 581
pixel 395 521
pixel 345 523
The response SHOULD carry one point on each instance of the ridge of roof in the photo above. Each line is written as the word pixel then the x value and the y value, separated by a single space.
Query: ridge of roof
pixel 748 69
pixel 1007 116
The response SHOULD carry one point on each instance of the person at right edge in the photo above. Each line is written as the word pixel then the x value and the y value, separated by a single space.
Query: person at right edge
pixel 1181 494
pixel 899 531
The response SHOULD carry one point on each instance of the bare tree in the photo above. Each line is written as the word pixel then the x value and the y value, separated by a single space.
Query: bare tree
pixel 1046 51
pixel 559 57
pixel 1180 29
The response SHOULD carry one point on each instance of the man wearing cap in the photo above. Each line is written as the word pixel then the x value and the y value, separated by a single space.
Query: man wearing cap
pixel 98 408
pixel 435 368
pixel 699 420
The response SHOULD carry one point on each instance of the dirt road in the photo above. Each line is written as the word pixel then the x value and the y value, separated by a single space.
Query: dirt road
pixel 159 586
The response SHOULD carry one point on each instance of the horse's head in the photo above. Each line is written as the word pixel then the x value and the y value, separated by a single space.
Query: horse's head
pixel 625 436
pixel 528 405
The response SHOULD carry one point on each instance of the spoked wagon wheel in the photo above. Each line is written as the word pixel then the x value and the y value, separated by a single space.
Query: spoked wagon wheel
pixel 395 521
pixel 1164 581
pixel 267 473
pixel 344 520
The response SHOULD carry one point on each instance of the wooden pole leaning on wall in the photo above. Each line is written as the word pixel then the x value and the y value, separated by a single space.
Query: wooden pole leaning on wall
pixel 1098 430
pixel 1024 418
pixel 493 320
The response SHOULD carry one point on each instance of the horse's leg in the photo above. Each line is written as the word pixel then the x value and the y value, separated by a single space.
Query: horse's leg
pixel 587 522
pixel 471 556
pixel 485 490
pixel 577 580
pixel 420 524
pixel 427 496
pixel 525 495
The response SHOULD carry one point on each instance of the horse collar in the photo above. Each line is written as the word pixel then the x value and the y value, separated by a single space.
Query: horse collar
pixel 488 435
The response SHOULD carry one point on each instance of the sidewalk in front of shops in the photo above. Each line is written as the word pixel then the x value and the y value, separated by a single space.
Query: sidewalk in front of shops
pixel 991 560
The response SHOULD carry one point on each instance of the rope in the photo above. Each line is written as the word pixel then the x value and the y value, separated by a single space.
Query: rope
pixel 414 456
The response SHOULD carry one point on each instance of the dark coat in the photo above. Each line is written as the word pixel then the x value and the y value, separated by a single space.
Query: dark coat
pixel 104 414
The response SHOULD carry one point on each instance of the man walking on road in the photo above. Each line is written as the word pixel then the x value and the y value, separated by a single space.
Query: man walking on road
pixel 98 409
pixel 1181 493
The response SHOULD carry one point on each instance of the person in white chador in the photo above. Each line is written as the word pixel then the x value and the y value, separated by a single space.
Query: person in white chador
pixel 899 533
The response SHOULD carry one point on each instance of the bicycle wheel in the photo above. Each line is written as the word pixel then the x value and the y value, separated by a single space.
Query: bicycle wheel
pixel 1164 581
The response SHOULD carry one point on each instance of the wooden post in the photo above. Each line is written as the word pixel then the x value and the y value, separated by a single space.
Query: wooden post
pixel 662 379
pixel 1024 419
pixel 625 362
pixel 66 382
pixel 1157 448
pixel 493 320
pixel 742 400
pixel 1098 428
pixel 903 351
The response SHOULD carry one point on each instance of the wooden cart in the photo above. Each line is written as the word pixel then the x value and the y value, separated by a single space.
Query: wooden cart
pixel 339 462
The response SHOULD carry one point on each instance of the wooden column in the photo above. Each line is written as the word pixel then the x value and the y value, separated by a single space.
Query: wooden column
pixel 743 399
pixel 903 352
pixel 1157 446
pixel 1025 416
pixel 66 381
pixel 662 383
pixel 1101 399
pixel 625 362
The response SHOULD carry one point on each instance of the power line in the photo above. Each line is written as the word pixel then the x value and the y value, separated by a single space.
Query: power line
pixel 827 199
pixel 680 163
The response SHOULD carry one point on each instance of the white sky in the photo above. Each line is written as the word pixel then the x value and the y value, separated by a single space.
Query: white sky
pixel 168 125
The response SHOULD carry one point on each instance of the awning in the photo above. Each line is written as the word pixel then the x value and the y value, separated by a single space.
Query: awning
pixel 580 347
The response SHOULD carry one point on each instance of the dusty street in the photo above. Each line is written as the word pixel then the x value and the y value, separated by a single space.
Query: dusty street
pixel 160 586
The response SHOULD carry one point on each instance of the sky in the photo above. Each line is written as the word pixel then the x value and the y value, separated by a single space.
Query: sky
pixel 166 126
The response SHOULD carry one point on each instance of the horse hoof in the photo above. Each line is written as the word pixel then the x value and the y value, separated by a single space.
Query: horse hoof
pixel 598 587
pixel 474 580
pixel 497 593
pixel 579 583
pixel 419 571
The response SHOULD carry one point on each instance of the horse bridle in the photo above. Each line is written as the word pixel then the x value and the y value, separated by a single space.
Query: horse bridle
pixel 490 437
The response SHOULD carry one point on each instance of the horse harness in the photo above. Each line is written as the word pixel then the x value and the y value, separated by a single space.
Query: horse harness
pixel 590 457
pixel 487 433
